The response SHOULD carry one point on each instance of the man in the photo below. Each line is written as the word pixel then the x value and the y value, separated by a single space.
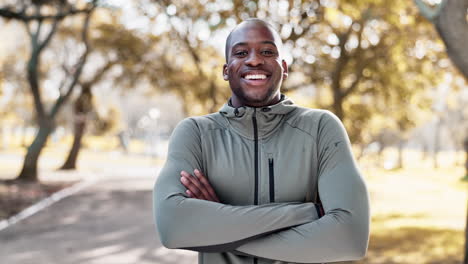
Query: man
pixel 242 185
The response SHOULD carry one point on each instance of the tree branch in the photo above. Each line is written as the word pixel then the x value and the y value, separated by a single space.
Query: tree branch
pixel 294 36
pixel 452 27
pixel 100 73
pixel 32 73
pixel 353 85
pixel 64 80
pixel 28 30
pixel 52 30
pixel 8 13
pixel 359 71
pixel 79 67
pixel 192 51
pixel 341 62
pixel 49 35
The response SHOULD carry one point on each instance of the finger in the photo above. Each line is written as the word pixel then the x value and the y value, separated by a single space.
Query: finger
pixel 206 184
pixel 200 187
pixel 190 194
pixel 187 184
pixel 194 185
pixel 186 181
pixel 192 189
pixel 206 188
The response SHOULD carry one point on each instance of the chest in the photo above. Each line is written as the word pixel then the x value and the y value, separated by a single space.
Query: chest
pixel 280 168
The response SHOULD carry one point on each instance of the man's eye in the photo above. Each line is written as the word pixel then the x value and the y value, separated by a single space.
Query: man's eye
pixel 240 53
pixel 268 53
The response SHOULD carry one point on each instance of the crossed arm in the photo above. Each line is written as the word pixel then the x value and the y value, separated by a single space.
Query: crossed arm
pixel 289 232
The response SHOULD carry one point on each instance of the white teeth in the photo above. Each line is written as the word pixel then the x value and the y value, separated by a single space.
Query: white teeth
pixel 255 76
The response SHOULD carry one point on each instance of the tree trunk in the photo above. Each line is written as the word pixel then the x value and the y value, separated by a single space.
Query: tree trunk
pixel 450 22
pixel 82 106
pixel 400 154
pixel 466 156
pixel 79 129
pixel 436 142
pixel 214 100
pixel 424 151
pixel 452 26
pixel 466 237
pixel 3 142
pixel 29 170
pixel 449 19
pixel 338 105
pixel 466 178
pixel 362 150
pixel 380 152
pixel 39 41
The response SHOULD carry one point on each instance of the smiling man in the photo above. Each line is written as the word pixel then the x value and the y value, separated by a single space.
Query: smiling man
pixel 255 69
pixel 262 180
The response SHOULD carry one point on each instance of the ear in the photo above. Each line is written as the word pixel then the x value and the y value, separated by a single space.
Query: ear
pixel 285 69
pixel 225 72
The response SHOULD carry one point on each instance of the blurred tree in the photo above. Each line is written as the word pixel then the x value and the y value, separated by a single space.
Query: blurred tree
pixel 188 31
pixel 450 20
pixel 116 47
pixel 36 15
pixel 2 77
pixel 363 68
pixel 350 55
pixel 466 225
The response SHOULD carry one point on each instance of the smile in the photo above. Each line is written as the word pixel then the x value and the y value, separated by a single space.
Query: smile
pixel 255 77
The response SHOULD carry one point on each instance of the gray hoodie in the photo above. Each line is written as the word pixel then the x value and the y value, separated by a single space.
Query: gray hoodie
pixel 266 165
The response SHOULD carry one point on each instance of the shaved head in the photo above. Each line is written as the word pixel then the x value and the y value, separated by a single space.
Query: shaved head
pixel 246 22
pixel 254 66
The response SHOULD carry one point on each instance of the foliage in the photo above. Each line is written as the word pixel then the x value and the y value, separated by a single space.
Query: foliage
pixel 367 61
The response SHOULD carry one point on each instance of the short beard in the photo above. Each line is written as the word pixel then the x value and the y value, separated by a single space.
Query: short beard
pixel 255 101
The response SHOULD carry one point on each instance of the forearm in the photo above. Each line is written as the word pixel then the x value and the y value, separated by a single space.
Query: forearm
pixel 202 225
pixel 334 237
pixel 208 226
pixel 342 234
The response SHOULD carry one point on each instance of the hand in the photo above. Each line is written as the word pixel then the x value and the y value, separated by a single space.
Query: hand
pixel 198 187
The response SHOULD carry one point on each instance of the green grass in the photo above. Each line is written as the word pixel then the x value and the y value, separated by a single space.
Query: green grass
pixel 418 212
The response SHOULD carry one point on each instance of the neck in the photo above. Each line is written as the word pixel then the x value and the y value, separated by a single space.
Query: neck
pixel 236 102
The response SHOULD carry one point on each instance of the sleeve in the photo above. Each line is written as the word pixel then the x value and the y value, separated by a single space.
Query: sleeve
pixel 342 234
pixel 207 226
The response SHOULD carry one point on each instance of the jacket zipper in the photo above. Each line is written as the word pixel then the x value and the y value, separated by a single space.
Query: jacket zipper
pixel 254 121
pixel 272 180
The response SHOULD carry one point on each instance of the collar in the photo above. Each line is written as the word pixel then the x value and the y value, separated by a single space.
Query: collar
pixel 268 118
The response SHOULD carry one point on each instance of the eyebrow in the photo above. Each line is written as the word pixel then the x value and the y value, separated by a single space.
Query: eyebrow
pixel 245 43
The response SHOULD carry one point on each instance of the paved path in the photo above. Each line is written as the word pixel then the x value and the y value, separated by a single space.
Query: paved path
pixel 109 222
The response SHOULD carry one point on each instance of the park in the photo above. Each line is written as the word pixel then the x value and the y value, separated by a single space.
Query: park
pixel 91 91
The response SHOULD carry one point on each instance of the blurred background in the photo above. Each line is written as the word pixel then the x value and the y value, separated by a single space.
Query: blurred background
pixel 91 90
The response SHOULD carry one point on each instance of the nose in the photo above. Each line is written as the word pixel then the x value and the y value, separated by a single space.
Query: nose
pixel 254 59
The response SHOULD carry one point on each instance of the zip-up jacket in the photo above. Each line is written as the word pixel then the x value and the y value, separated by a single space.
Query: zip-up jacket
pixel 266 165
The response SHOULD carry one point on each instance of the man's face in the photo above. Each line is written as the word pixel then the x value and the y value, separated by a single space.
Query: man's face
pixel 254 68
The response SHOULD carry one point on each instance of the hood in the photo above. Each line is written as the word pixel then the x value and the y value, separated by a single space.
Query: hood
pixel 240 119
